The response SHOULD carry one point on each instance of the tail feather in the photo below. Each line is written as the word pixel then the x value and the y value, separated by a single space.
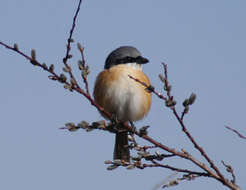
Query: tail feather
pixel 121 148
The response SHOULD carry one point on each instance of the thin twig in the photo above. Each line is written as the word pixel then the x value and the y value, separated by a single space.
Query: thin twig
pixel 68 48
pixel 156 164
pixel 69 40
pixel 84 76
pixel 166 81
pixel 150 88
pixel 183 178
pixel 230 170
pixel 182 116
pixel 235 131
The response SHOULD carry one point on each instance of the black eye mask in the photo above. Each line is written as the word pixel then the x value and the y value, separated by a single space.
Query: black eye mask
pixel 127 59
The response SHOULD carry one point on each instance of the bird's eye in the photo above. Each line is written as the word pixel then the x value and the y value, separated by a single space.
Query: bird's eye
pixel 126 59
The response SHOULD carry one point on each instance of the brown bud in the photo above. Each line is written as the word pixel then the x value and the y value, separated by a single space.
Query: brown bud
pixel 33 54
pixel 192 98
pixel 162 78
pixel 51 67
pixel 62 78
pixel 16 47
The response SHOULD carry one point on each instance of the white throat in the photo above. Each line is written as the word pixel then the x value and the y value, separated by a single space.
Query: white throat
pixel 135 66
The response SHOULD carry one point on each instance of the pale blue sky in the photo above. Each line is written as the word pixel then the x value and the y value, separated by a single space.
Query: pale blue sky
pixel 203 43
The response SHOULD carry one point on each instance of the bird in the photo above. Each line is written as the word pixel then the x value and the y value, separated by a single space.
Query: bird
pixel 121 96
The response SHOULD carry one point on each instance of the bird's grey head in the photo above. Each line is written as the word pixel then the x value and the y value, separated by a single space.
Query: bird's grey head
pixel 124 55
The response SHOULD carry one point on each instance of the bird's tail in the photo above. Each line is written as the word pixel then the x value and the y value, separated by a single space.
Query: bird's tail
pixel 121 148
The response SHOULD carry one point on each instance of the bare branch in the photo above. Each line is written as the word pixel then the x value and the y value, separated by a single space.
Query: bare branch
pixel 170 102
pixel 69 40
pixel 156 164
pixel 200 149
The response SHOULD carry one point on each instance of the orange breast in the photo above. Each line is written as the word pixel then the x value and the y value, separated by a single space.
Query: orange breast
pixel 122 96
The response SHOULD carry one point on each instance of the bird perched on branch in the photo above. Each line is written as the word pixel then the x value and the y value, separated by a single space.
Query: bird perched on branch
pixel 122 96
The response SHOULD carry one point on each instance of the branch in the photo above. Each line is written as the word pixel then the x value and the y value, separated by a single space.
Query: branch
pixel 170 102
pixel 183 154
pixel 67 68
pixel 56 77
pixel 200 149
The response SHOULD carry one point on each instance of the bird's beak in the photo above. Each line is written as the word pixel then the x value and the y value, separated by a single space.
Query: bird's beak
pixel 142 60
